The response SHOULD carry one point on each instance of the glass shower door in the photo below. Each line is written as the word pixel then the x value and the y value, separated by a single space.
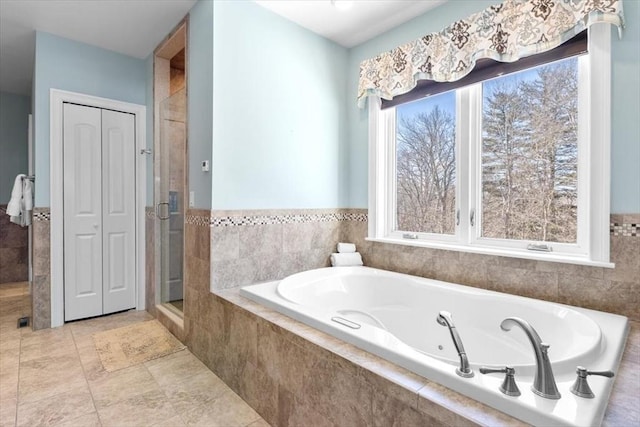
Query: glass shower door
pixel 170 203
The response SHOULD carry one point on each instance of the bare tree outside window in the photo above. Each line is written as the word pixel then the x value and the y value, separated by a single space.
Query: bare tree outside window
pixel 426 165
pixel 529 154
pixel 529 158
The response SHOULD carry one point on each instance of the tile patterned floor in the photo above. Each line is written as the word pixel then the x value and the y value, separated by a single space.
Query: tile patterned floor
pixel 54 377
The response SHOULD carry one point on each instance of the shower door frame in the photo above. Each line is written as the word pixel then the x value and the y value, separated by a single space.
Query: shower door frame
pixel 177 39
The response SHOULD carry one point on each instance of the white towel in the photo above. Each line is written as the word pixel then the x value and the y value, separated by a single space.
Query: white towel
pixel 346 260
pixel 13 207
pixel 345 248
pixel 21 204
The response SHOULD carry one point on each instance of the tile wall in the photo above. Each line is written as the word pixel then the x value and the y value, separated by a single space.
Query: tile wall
pixel 150 260
pixel 41 292
pixel 256 246
pixel 294 375
pixel 613 290
pixel 14 246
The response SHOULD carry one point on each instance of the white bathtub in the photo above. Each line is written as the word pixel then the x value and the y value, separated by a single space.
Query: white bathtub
pixel 394 316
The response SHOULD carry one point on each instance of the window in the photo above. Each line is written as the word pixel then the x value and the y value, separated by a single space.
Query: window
pixel 514 165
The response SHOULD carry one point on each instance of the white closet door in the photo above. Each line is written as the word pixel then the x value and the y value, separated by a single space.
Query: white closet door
pixel 82 212
pixel 118 219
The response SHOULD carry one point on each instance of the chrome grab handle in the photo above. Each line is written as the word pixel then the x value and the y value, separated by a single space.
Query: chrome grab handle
pixel 508 386
pixel 581 387
pixel 158 214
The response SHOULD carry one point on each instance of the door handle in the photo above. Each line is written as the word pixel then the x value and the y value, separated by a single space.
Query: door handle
pixel 158 210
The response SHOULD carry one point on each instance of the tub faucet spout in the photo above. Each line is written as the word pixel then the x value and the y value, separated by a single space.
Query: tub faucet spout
pixel 544 384
pixel 444 318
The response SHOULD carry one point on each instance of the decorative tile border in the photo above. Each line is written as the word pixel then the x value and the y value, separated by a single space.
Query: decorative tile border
pixel 197 220
pixel 40 214
pixel 626 230
pixel 239 221
pixel 43 214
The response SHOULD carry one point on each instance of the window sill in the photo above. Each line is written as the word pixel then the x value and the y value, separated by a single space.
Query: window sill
pixel 511 253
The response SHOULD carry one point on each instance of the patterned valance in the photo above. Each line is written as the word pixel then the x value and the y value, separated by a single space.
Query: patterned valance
pixel 505 32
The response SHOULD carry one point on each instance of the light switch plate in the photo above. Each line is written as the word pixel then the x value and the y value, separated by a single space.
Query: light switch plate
pixel 192 199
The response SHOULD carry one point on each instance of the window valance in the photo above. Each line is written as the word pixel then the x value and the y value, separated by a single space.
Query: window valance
pixel 505 32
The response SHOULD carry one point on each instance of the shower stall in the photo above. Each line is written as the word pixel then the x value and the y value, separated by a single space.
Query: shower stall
pixel 170 200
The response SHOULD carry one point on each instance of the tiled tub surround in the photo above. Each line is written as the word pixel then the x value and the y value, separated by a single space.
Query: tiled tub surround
pixel 614 290
pixel 255 246
pixel 14 246
pixel 294 375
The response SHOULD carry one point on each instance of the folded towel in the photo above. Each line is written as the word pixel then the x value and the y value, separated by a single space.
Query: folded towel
pixel 345 248
pixel 346 260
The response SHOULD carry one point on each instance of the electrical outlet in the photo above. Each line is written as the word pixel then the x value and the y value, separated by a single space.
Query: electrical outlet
pixel 192 199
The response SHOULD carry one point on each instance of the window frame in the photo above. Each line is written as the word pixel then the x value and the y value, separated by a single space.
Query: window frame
pixel 594 137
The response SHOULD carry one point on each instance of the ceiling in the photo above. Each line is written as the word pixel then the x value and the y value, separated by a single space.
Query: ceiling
pixel 136 27
pixel 363 20
pixel 130 27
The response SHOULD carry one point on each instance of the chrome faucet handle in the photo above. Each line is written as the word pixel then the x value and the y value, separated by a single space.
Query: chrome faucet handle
pixel 581 387
pixel 508 386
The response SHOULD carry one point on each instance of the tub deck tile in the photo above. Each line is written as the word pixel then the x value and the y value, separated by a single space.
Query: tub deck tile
pixel 391 389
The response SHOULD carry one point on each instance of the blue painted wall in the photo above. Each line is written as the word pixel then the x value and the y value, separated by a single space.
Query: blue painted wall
pixel 279 113
pixel 625 178
pixel 200 100
pixel 77 67
pixel 625 113
pixel 14 128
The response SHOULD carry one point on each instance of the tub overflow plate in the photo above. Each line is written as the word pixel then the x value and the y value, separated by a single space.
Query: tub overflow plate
pixel 345 322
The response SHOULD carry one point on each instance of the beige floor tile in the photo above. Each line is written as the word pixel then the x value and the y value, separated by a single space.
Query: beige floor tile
pixel 139 411
pixel 228 410
pixel 48 376
pixel 176 367
pixel 10 340
pixel 36 349
pixel 88 420
pixel 9 360
pixel 8 412
pixel 259 423
pixel 9 385
pixel 91 364
pixel 52 337
pixel 60 408
pixel 105 323
pixel 202 389
pixel 53 377
pixel 120 385
pixel 13 292
pixel 173 422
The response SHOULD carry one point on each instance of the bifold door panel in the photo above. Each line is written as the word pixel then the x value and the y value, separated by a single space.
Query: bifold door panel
pixel 99 211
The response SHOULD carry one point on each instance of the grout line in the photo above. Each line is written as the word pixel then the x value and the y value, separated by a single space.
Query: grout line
pixel 84 374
